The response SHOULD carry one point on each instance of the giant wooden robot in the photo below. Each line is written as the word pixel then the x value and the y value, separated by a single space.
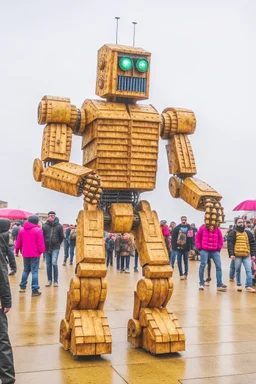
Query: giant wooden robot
pixel 120 150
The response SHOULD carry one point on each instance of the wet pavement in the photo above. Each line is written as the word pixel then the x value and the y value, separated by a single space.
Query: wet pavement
pixel 220 329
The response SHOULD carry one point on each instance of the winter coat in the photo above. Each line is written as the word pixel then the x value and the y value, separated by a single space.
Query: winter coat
pixel 209 240
pixel 66 234
pixel 110 244
pixel 53 234
pixel 232 238
pixel 15 231
pixel 72 237
pixel 5 292
pixel 30 241
pixel 165 230
pixel 126 246
pixel 117 244
pixel 175 234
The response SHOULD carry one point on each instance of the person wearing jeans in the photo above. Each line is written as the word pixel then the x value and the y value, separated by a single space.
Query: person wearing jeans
pixel 182 255
pixel 209 242
pixel 182 243
pixel 232 270
pixel 30 242
pixel 51 258
pixel 241 246
pixel 53 237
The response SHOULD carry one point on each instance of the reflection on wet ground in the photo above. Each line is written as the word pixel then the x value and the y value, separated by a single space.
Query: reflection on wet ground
pixel 220 329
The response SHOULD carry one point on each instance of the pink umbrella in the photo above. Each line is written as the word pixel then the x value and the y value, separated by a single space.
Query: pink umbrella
pixel 247 205
pixel 8 213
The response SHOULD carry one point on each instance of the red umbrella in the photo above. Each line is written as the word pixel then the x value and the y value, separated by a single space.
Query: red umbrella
pixel 247 205
pixel 8 213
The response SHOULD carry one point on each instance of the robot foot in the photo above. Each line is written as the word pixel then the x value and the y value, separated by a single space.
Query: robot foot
pixel 157 331
pixel 87 333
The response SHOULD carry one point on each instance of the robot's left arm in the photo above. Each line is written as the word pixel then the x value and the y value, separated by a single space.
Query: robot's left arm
pixel 176 125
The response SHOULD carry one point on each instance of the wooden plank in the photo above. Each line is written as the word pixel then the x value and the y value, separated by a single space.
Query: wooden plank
pixel 88 329
pixel 100 337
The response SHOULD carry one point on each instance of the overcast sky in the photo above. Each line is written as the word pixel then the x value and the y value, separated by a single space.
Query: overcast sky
pixel 203 58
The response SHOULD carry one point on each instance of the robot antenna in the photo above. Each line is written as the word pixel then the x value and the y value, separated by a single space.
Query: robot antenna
pixel 134 26
pixel 117 18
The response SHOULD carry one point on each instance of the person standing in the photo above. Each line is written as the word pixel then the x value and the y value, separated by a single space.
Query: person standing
pixel 126 250
pixel 166 235
pixel 66 244
pixel 7 373
pixel 30 242
pixel 117 251
pixel 241 246
pixel 10 255
pixel 209 242
pixel 110 245
pixel 182 242
pixel 53 237
pixel 173 252
pixel 72 243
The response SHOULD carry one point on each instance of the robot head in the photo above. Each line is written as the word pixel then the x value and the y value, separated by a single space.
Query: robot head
pixel 123 71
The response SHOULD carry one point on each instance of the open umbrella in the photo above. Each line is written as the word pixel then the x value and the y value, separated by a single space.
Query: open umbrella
pixel 247 205
pixel 15 214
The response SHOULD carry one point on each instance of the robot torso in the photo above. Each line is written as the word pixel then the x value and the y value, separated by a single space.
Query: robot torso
pixel 120 143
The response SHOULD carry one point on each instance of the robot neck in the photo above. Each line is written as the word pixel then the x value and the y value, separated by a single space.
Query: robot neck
pixel 123 100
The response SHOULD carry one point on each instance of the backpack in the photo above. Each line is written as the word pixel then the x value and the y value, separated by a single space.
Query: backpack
pixel 72 235
pixel 110 244
pixel 182 239
pixel 125 245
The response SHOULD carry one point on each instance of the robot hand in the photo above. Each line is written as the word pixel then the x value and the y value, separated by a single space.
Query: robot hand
pixel 91 187
pixel 69 178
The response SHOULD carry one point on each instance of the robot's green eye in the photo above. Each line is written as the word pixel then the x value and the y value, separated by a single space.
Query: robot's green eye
pixel 142 65
pixel 125 63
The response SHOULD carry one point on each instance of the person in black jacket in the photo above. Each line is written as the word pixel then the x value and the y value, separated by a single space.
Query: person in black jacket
pixel 66 244
pixel 182 243
pixel 110 245
pixel 53 237
pixel 7 374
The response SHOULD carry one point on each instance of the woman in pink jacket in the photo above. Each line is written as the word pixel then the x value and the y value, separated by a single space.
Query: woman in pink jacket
pixel 30 242
pixel 209 243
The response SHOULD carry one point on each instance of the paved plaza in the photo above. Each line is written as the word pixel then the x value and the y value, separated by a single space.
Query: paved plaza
pixel 220 330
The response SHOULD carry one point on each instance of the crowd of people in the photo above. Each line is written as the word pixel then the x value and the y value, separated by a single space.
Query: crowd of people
pixel 32 240
pixel 184 239
pixel 122 246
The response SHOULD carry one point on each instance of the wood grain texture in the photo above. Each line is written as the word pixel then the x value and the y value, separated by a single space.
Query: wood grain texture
pixel 65 177
pixel 53 109
pixel 57 140
pixel 108 71
pixel 121 217
pixel 120 143
pixel 193 190
pixel 149 238
pixel 180 156
pixel 177 120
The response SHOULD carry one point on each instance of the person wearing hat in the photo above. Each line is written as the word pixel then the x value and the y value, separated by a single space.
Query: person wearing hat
pixel 30 242
pixel 7 374
pixel 53 237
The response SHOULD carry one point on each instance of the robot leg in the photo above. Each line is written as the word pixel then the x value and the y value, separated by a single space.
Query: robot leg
pixel 85 330
pixel 154 327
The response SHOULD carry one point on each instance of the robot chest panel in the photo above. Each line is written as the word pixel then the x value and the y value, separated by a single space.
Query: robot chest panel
pixel 123 149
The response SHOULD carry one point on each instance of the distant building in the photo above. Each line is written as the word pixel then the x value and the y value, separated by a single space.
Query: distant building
pixel 42 216
pixel 3 204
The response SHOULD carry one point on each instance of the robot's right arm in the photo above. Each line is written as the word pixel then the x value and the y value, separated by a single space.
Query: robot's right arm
pixel 53 169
